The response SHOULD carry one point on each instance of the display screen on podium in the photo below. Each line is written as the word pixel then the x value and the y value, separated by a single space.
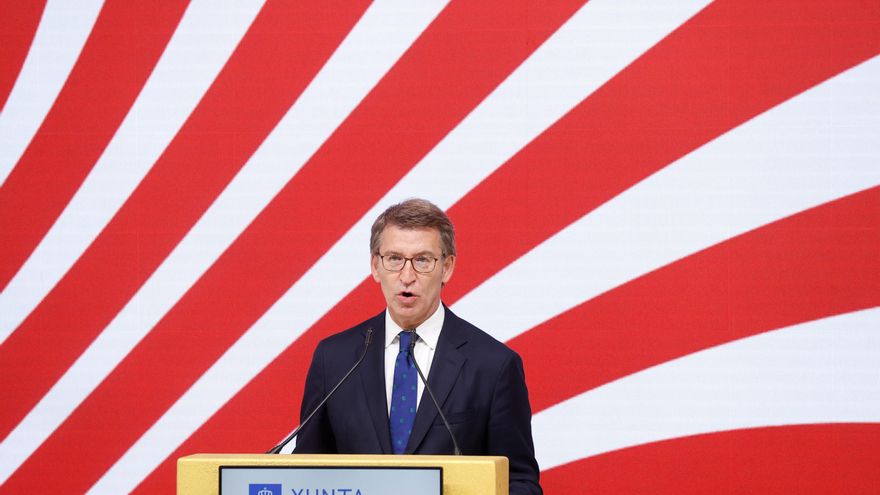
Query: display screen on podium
pixel 330 480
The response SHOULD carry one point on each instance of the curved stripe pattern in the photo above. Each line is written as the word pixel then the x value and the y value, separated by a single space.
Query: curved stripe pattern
pixel 824 371
pixel 178 82
pixel 246 195
pixel 642 120
pixel 84 117
pixel 590 119
pixel 155 117
pixel 458 163
pixel 339 174
pixel 61 34
pixel 363 58
pixel 723 189
pixel 280 54
pixel 782 274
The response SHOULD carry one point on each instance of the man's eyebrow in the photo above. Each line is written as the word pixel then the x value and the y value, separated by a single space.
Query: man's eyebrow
pixel 421 253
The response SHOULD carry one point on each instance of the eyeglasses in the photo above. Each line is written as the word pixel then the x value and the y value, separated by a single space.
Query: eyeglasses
pixel 421 263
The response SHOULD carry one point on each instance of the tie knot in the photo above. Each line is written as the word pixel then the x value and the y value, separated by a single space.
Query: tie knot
pixel 406 338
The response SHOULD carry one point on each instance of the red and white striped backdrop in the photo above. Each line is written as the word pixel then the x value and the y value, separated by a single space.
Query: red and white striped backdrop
pixel 671 210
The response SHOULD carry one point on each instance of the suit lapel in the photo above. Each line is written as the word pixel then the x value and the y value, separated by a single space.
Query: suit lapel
pixel 373 378
pixel 445 368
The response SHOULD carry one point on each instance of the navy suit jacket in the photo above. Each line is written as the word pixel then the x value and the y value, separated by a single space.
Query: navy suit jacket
pixel 478 381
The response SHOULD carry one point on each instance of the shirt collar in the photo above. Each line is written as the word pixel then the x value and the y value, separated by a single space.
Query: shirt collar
pixel 429 330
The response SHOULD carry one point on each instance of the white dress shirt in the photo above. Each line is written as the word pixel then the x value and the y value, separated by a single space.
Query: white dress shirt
pixel 426 344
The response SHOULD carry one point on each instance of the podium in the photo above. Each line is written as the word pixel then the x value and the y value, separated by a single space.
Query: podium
pixel 199 474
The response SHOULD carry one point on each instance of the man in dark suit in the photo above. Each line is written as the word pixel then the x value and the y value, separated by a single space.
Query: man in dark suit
pixel 478 381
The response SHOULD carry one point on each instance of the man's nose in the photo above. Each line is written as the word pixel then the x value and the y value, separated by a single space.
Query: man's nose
pixel 408 273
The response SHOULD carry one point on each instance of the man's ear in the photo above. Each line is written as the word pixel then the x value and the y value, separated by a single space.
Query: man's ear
pixel 374 266
pixel 448 267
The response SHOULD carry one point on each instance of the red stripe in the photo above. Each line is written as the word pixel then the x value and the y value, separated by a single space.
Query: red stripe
pixel 806 459
pixel 18 26
pixel 83 119
pixel 274 63
pixel 296 228
pixel 561 176
pixel 815 264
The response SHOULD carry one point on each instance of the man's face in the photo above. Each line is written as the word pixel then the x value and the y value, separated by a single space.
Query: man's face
pixel 411 296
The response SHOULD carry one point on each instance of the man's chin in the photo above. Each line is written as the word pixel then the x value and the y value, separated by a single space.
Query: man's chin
pixel 406 317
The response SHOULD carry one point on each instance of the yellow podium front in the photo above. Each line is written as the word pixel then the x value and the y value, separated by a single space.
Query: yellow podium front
pixel 199 474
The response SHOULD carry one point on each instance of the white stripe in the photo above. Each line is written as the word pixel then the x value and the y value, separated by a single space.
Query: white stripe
pixel 824 371
pixel 817 147
pixel 576 59
pixel 178 82
pixel 63 30
pixel 206 37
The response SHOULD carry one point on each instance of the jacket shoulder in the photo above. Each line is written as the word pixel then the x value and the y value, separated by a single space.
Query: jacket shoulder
pixel 356 334
pixel 478 341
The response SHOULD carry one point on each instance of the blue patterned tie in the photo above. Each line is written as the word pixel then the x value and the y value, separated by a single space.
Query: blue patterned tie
pixel 403 396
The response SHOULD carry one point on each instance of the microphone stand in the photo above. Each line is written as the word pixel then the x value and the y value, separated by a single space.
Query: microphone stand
pixel 412 355
pixel 277 449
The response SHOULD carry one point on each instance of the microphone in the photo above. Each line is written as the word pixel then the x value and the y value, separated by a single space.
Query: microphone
pixel 277 449
pixel 412 355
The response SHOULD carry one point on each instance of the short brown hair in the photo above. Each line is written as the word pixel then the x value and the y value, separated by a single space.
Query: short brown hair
pixel 411 214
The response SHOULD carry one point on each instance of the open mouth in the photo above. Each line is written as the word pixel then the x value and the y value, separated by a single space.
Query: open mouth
pixel 406 296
